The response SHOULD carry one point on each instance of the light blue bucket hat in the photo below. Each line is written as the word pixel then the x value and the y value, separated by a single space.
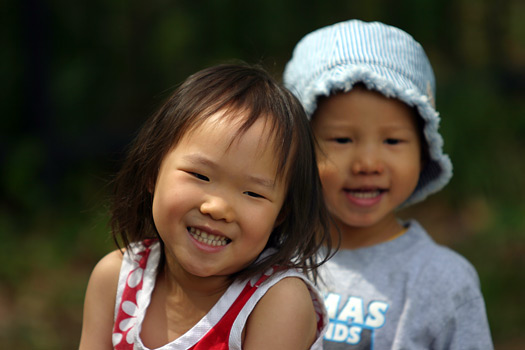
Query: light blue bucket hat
pixel 385 59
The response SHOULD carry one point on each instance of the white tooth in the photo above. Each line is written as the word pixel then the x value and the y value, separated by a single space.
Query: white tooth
pixel 371 194
pixel 208 238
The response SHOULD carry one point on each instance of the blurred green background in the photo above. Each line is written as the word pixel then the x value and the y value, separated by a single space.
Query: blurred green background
pixel 79 77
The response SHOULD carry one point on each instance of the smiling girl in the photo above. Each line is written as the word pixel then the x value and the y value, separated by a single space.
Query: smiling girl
pixel 218 206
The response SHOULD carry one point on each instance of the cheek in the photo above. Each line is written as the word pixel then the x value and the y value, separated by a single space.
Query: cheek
pixel 416 172
pixel 409 171
pixel 258 223
pixel 329 174
pixel 417 160
pixel 160 208
pixel 262 222
pixel 169 203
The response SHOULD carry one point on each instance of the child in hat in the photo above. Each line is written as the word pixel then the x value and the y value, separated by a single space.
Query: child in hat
pixel 369 91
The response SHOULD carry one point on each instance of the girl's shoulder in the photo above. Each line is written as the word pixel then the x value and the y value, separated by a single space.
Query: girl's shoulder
pixel 105 277
pixel 108 268
pixel 284 311
pixel 99 303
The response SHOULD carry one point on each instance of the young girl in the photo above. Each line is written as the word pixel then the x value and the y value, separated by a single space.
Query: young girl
pixel 220 210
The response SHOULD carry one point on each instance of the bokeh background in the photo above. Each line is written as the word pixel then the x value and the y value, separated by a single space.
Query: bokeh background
pixel 78 78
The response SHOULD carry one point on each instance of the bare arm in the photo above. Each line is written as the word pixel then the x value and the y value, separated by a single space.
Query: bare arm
pixel 99 303
pixel 283 319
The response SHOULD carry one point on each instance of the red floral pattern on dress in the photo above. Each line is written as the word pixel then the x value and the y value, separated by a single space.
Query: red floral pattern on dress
pixel 126 320
pixel 217 338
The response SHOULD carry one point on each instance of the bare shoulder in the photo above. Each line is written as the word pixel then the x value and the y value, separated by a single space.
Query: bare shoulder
pixel 290 292
pixel 108 268
pixel 104 277
pixel 99 303
pixel 284 318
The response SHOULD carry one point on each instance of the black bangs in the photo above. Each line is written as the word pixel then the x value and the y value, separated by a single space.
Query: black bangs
pixel 245 91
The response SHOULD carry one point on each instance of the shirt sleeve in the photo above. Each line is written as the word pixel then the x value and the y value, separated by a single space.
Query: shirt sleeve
pixel 467 328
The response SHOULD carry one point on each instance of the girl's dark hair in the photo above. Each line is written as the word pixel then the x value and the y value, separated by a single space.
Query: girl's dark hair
pixel 303 226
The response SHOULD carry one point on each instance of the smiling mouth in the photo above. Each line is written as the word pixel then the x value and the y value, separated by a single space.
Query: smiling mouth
pixel 208 238
pixel 365 194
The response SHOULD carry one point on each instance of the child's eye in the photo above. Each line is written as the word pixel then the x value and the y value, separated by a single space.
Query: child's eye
pixel 200 176
pixel 392 141
pixel 253 194
pixel 342 140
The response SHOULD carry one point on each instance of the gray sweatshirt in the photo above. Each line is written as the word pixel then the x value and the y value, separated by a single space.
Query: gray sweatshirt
pixel 408 293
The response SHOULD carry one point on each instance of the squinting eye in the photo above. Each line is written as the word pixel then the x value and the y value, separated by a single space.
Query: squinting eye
pixel 253 194
pixel 343 140
pixel 200 177
pixel 392 141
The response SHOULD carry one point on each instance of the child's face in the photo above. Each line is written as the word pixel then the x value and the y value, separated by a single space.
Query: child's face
pixel 217 198
pixel 369 156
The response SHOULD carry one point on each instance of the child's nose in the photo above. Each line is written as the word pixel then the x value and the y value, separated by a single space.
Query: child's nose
pixel 367 161
pixel 218 207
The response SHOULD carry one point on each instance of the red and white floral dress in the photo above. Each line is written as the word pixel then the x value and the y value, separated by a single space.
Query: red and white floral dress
pixel 220 329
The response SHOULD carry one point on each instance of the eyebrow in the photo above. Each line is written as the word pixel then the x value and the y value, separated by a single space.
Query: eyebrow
pixel 270 184
pixel 198 159
pixel 201 160
pixel 397 127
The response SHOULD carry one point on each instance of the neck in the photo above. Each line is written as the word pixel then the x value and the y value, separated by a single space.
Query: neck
pixel 187 298
pixel 179 300
pixel 179 282
pixel 354 237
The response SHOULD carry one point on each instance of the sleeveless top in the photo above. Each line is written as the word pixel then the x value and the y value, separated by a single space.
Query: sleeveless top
pixel 221 328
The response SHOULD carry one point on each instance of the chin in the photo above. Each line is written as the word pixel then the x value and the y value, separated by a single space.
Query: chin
pixel 361 221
